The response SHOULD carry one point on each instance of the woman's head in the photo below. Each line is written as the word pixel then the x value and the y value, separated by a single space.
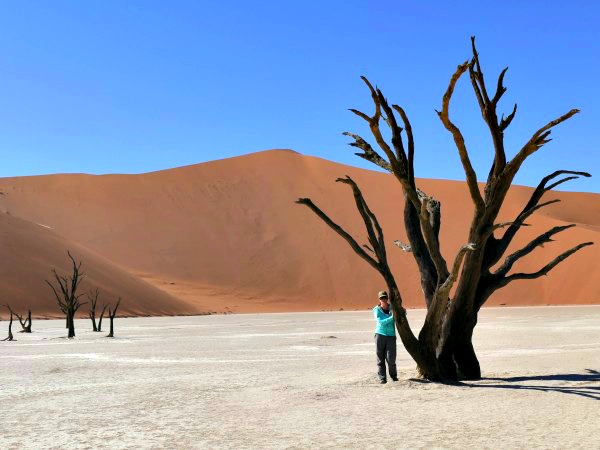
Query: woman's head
pixel 383 299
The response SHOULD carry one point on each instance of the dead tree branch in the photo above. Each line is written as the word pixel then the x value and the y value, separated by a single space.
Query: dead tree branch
pixel 531 246
pixel 537 141
pixel 459 140
pixel 544 270
pixel 499 246
pixel 379 262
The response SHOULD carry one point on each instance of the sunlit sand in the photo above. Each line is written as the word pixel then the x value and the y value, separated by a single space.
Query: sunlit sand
pixel 300 380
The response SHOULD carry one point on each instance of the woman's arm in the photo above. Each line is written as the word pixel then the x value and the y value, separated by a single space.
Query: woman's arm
pixel 382 318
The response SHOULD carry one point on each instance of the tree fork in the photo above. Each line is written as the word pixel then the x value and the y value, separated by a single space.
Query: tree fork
pixel 112 313
pixel 25 323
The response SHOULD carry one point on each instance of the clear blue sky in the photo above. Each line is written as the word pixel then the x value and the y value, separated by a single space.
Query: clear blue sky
pixel 135 86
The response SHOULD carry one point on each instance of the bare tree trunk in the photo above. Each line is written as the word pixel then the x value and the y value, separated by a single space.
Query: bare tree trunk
pixel 93 319
pixel 112 314
pixel 71 324
pixel 93 299
pixel 28 327
pixel 463 353
pixel 111 333
pixel 101 317
pixel 10 335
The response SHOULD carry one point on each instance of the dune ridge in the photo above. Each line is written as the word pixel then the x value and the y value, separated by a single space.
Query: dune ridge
pixel 227 236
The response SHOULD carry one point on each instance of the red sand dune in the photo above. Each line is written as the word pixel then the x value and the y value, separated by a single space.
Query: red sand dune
pixel 31 251
pixel 227 236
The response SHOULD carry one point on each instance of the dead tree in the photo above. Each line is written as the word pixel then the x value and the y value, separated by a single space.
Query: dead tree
pixel 93 299
pixel 112 313
pixel 443 349
pixel 25 323
pixel 10 335
pixel 66 295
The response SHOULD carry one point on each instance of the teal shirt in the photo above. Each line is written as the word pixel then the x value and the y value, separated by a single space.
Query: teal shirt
pixel 385 322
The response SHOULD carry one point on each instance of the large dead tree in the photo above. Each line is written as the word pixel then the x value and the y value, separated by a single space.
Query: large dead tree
pixel 25 322
pixel 112 313
pixel 65 291
pixel 93 300
pixel 443 350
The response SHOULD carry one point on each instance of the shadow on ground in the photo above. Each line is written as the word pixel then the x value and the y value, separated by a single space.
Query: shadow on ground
pixel 580 387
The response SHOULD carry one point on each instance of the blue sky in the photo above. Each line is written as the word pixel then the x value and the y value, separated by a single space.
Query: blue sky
pixel 135 86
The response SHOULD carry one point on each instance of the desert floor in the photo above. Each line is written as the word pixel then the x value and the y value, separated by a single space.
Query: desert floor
pixel 302 380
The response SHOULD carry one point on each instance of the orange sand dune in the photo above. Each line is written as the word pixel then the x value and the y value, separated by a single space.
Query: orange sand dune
pixel 30 251
pixel 227 235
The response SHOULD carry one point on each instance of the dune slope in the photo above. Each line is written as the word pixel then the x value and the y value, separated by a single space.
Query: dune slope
pixel 31 251
pixel 227 235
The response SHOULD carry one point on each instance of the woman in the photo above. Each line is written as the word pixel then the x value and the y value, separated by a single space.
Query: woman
pixel 385 338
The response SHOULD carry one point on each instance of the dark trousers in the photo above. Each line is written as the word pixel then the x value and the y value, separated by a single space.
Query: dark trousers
pixel 386 351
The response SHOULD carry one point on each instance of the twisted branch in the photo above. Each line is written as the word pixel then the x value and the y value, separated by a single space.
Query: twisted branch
pixel 488 109
pixel 531 246
pixel 459 139
pixel 537 141
pixel 379 263
pixel 544 270
pixel 339 230
pixel 532 205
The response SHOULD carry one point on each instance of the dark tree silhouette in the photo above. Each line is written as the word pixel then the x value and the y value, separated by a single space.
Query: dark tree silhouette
pixel 112 313
pixel 25 323
pixel 66 295
pixel 443 349
pixel 104 306
pixel 93 299
pixel 10 335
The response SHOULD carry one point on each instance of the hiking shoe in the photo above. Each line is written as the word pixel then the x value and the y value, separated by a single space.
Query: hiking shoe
pixel 382 381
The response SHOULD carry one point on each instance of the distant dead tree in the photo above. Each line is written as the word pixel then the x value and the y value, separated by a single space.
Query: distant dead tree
pixel 66 295
pixel 112 313
pixel 10 335
pixel 443 349
pixel 25 323
pixel 93 299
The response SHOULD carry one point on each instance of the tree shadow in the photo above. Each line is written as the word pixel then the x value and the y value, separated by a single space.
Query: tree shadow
pixel 581 389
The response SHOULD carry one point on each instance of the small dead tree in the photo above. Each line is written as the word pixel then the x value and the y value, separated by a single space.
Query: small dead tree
pixel 443 349
pixel 93 299
pixel 112 313
pixel 10 335
pixel 25 323
pixel 66 295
